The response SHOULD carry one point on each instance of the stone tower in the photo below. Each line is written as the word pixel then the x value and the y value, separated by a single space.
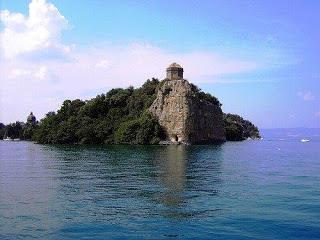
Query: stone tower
pixel 174 72
pixel 186 116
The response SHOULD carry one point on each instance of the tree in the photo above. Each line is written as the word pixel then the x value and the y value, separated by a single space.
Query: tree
pixel 2 130
pixel 119 116
pixel 238 129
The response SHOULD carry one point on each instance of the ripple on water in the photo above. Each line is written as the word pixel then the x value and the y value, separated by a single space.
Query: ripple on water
pixel 233 191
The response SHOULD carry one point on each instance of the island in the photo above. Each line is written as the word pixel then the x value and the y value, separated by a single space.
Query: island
pixel 170 111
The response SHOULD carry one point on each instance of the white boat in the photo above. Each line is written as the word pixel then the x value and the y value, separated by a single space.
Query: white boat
pixel 6 138
pixel 16 139
pixel 305 140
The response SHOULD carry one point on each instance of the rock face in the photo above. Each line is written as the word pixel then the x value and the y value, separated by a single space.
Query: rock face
pixel 185 117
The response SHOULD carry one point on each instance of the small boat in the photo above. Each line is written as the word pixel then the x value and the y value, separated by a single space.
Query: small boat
pixel 16 139
pixel 305 140
pixel 6 137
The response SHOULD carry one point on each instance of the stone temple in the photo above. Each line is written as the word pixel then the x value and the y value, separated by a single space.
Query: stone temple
pixel 174 72
pixel 186 117
pixel 31 119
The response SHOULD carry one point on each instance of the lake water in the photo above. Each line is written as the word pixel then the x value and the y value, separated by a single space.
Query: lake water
pixel 268 189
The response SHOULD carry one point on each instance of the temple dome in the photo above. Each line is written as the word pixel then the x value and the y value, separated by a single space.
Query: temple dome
pixel 174 65
pixel 31 118
pixel 174 72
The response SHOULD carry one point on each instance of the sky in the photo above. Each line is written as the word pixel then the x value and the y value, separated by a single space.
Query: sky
pixel 260 58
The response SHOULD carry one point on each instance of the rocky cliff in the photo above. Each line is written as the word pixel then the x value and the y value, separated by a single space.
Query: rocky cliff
pixel 188 115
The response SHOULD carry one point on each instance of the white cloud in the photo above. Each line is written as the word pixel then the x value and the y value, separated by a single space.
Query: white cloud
pixel 37 72
pixel 39 31
pixel 103 64
pixel 41 73
pixel 42 88
pixel 306 95
pixel 17 72
pixel 29 86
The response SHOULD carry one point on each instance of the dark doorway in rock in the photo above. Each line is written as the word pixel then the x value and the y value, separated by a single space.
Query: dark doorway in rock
pixel 176 138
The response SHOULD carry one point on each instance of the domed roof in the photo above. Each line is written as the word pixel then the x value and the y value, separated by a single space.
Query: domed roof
pixel 31 118
pixel 174 65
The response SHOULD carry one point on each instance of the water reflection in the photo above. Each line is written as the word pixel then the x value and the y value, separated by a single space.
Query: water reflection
pixel 116 181
pixel 188 175
pixel 160 192
pixel 172 164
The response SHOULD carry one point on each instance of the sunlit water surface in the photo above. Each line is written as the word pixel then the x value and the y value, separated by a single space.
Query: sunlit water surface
pixel 268 189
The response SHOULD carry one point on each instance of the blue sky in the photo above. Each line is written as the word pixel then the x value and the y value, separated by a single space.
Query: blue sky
pixel 260 58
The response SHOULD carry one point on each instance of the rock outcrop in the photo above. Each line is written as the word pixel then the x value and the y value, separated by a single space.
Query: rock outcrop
pixel 185 115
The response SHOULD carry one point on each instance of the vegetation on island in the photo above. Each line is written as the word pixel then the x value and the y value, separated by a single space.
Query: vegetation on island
pixel 17 130
pixel 204 96
pixel 238 129
pixel 2 130
pixel 118 117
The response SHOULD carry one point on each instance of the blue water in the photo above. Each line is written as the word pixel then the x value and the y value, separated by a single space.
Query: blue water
pixel 268 189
